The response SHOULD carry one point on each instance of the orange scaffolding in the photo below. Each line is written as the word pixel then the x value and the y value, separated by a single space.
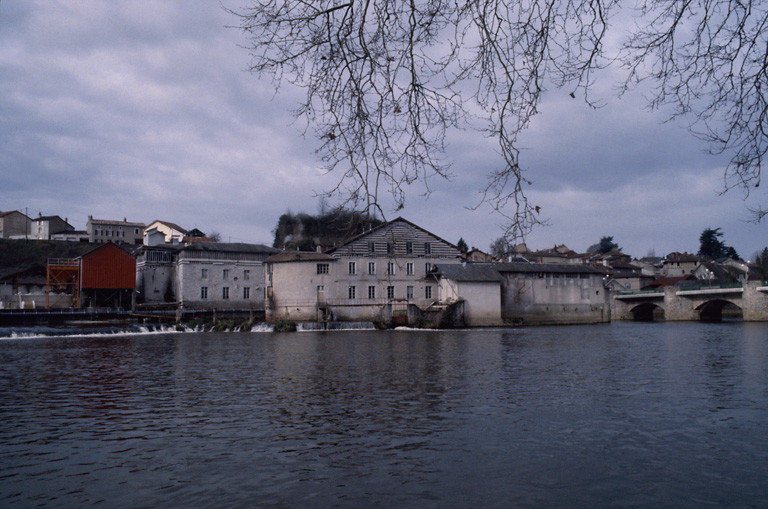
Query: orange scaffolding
pixel 63 277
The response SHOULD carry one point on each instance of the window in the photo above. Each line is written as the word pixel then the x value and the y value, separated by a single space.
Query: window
pixel 246 275
pixel 428 292
pixel 203 292
pixel 371 268
pixel 427 248
pixel 409 247
pixel 390 292
pixel 322 268
pixel 371 292
pixel 390 248
pixel 320 289
pixel 371 247
pixel 225 274
pixel 136 231
pixel 409 292
pixel 351 292
pixel 428 267
pixel 225 292
pixel 246 293
pixel 352 269
pixel 390 268
pixel 204 274
pixel 409 269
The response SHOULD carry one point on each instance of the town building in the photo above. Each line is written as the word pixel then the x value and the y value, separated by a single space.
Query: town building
pixel 14 225
pixel 71 236
pixel 679 264
pixel 108 230
pixel 22 288
pixel 549 293
pixel 476 288
pixel 476 255
pixel 45 227
pixel 170 233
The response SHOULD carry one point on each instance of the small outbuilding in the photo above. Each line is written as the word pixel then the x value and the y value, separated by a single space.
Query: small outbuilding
pixel 108 277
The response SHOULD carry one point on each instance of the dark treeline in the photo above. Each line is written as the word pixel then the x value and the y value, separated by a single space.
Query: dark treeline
pixel 305 232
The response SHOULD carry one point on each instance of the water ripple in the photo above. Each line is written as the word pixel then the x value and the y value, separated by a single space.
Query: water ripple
pixel 616 415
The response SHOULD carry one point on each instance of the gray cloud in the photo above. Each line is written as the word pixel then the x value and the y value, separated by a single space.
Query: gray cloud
pixel 145 110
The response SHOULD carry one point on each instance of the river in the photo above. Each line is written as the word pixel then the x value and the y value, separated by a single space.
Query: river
pixel 615 415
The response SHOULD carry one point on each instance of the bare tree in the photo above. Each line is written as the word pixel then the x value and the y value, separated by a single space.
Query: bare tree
pixel 386 80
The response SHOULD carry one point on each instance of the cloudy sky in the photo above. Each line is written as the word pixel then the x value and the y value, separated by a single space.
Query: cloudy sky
pixel 145 110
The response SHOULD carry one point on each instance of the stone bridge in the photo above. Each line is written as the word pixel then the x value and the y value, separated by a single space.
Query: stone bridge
pixel 693 304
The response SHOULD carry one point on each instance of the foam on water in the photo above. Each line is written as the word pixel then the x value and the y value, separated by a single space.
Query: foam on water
pixel 46 332
pixel 336 326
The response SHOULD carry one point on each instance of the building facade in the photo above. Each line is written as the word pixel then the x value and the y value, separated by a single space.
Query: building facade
pixel 477 286
pixel 14 224
pixel 382 275
pixel 203 275
pixel 45 227
pixel 679 264
pixel 548 293
pixel 107 230
pixel 163 232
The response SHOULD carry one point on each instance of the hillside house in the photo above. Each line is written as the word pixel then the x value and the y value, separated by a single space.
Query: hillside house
pixel 679 264
pixel 14 225
pixel 108 230
pixel 158 232
pixel 45 227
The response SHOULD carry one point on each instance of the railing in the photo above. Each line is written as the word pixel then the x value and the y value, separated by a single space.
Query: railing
pixel 67 262
pixel 704 286
pixel 639 292
pixel 685 288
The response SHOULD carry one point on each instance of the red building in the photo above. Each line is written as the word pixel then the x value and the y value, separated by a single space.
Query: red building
pixel 108 277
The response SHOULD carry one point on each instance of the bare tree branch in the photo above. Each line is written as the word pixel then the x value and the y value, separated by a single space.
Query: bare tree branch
pixel 386 80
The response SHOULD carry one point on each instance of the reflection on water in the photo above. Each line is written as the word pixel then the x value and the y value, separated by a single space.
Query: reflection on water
pixel 609 415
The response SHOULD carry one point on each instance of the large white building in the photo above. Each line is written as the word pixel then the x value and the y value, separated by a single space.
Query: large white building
pixel 204 275
pixel 382 275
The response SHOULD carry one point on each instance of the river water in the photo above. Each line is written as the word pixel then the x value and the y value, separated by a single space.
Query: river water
pixel 623 414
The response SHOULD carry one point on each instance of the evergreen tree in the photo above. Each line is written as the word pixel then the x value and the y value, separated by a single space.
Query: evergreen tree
pixel 606 245
pixel 710 245
pixel 462 245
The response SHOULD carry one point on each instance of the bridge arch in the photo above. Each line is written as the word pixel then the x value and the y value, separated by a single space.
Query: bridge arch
pixel 647 312
pixel 716 309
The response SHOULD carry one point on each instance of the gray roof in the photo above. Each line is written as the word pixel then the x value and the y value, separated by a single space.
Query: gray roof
pixel 547 268
pixel 469 272
pixel 230 247
pixel 299 256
